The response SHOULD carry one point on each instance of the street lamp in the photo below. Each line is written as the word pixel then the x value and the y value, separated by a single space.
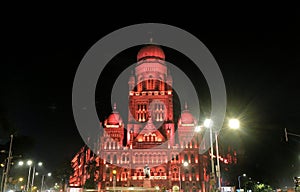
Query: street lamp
pixel 233 124
pixel 7 164
pixel 43 179
pixel 198 129
pixel 239 179
pixel 185 164
pixel 29 163
pixel 208 124
pixel 34 173
pixel 114 172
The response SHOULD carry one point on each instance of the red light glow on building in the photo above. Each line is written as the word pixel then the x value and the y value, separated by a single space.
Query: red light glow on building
pixel 150 124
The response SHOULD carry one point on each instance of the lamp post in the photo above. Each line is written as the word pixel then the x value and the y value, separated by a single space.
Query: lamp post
pixel 43 179
pixel 8 163
pixel 218 163
pixel 34 173
pixel 185 164
pixel 233 124
pixel 208 124
pixel 3 175
pixel 239 179
pixel 29 163
pixel 114 172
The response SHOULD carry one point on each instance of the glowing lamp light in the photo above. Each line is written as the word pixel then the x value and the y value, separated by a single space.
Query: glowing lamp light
pixel 29 162
pixel 234 123
pixel 197 128
pixel 20 163
pixel 49 174
pixel 40 164
pixel 208 123
pixel 114 172
pixel 185 164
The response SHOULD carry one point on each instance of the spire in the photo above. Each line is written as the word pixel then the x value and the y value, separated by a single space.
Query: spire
pixel 151 40
pixel 185 106
pixel 115 106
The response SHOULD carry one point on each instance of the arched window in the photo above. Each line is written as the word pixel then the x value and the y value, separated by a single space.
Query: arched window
pixel 141 158
pixel 115 159
pixel 192 158
pixel 193 170
pixel 186 157
pixel 108 158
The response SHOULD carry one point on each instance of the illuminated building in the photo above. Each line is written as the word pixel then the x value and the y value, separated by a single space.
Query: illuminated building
pixel 150 125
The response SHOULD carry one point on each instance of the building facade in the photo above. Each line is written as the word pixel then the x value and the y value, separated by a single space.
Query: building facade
pixel 170 149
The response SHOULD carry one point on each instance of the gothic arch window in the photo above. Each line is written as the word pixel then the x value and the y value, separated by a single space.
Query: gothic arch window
pixel 175 173
pixel 108 158
pixel 185 157
pixel 141 158
pixel 193 170
pixel 192 158
pixel 115 159
pixel 186 171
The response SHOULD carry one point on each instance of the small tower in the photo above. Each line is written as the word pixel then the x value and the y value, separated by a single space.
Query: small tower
pixel 114 128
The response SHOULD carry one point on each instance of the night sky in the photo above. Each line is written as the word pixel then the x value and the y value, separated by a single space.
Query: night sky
pixel 257 52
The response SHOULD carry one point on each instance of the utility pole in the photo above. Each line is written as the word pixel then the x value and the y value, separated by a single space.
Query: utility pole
pixel 8 163
pixel 286 133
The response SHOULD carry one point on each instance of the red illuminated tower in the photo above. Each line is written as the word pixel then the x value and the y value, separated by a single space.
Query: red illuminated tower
pixel 150 100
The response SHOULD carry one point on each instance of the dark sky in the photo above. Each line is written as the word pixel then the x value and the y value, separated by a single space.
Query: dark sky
pixel 258 53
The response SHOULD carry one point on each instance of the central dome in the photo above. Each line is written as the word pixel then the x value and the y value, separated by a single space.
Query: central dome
pixel 151 51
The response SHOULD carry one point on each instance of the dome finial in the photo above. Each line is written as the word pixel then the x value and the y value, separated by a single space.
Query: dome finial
pixel 151 40
pixel 115 106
